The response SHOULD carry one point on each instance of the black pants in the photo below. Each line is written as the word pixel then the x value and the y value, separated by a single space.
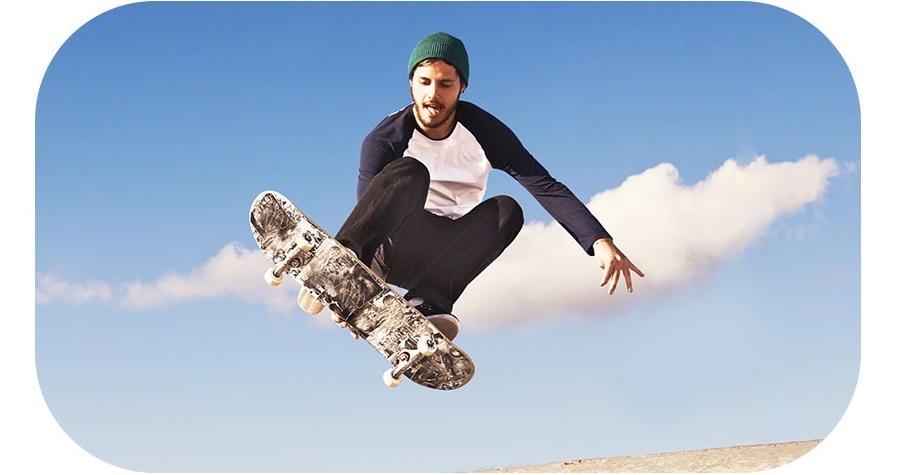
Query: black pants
pixel 433 257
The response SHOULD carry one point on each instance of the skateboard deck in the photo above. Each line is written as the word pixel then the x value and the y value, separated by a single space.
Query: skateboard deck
pixel 299 248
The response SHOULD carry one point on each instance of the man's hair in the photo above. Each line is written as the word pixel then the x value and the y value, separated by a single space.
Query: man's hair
pixel 429 61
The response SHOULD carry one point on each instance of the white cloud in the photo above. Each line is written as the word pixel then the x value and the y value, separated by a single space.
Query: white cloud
pixel 674 232
pixel 233 272
pixel 50 290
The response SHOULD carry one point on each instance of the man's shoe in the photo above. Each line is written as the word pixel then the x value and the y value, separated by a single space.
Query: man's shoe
pixel 446 323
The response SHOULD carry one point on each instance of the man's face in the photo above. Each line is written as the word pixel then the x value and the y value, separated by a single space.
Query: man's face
pixel 435 87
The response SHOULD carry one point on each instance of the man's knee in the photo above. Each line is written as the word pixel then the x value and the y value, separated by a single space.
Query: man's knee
pixel 407 168
pixel 403 179
pixel 510 215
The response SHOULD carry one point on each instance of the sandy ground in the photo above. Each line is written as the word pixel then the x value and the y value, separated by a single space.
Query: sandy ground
pixel 750 458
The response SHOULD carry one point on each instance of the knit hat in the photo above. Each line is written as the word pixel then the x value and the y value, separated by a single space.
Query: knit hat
pixel 443 46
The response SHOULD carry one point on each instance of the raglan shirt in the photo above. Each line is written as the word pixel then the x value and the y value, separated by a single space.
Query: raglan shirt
pixel 460 163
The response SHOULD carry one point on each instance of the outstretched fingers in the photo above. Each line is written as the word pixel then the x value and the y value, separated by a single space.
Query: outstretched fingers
pixel 628 268
pixel 618 266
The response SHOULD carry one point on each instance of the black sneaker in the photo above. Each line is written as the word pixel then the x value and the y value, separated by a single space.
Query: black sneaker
pixel 446 323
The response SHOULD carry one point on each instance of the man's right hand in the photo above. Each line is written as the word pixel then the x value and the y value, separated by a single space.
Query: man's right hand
pixel 339 321
pixel 309 304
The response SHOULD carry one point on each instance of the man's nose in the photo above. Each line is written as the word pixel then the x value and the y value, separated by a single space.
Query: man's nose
pixel 432 91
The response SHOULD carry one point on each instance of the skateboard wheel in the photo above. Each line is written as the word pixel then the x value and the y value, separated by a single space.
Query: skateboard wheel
pixel 309 303
pixel 390 380
pixel 426 346
pixel 272 279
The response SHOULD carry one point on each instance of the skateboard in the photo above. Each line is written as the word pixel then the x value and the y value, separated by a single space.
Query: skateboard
pixel 336 279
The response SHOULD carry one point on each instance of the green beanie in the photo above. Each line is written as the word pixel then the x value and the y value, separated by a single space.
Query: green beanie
pixel 440 45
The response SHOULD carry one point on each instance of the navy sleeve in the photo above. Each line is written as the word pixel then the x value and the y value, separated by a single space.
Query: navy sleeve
pixel 383 145
pixel 506 152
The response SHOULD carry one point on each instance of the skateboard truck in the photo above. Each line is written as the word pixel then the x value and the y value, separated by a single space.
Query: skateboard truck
pixel 275 275
pixel 425 347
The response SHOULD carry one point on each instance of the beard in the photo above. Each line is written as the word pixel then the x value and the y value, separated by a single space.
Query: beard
pixel 434 114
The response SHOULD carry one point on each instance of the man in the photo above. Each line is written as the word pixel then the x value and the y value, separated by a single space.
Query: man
pixel 421 221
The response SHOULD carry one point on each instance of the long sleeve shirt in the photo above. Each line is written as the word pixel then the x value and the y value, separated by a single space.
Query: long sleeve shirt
pixel 460 163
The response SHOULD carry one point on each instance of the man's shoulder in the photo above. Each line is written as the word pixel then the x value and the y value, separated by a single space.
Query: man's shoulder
pixel 470 110
pixel 395 126
pixel 484 125
pixel 402 116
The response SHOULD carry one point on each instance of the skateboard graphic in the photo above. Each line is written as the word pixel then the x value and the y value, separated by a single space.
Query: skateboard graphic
pixel 334 276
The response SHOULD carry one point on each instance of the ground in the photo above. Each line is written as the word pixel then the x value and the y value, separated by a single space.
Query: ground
pixel 750 458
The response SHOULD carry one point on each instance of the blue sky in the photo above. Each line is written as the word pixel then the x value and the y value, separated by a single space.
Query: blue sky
pixel 719 143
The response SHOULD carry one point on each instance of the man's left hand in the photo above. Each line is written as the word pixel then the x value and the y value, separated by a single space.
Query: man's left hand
pixel 614 264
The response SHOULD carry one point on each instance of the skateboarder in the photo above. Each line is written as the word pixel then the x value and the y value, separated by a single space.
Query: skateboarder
pixel 422 222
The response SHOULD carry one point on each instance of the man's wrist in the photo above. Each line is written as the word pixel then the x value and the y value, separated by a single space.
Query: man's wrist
pixel 604 240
